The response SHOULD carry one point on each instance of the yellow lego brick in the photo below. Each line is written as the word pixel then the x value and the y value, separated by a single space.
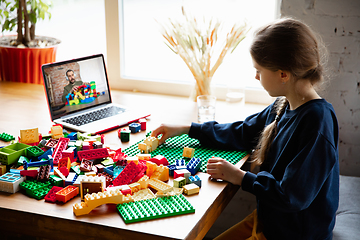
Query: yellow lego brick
pixel 96 199
pixel 151 167
pixel 159 185
pixel 144 182
pixel 188 152
pixel 135 187
pixel 191 189
pixel 161 173
pixel 143 195
pixel 175 191
pixel 90 184
pixel 29 135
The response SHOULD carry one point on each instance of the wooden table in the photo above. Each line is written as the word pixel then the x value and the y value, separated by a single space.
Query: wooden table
pixel 23 106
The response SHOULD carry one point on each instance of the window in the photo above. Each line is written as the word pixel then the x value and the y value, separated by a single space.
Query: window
pixel 147 64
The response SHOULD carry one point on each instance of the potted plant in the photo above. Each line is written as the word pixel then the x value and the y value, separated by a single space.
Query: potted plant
pixel 22 55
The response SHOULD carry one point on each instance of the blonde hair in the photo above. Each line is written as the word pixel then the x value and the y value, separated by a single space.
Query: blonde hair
pixel 289 45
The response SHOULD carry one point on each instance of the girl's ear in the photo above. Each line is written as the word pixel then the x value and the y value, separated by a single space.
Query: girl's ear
pixel 285 76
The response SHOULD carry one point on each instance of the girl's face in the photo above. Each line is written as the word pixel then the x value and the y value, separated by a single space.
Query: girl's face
pixel 270 80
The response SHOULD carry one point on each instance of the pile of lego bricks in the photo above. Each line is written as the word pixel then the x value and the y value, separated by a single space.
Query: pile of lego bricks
pixel 61 165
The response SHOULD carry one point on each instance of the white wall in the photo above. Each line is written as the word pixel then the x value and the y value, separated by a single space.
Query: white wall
pixel 338 22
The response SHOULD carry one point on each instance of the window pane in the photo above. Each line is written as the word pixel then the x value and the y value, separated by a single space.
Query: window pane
pixel 145 55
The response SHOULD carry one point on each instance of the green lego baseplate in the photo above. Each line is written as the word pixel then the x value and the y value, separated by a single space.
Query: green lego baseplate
pixel 173 148
pixel 154 208
pixel 36 189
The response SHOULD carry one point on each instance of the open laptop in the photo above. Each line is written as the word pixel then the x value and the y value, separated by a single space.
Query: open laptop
pixel 87 107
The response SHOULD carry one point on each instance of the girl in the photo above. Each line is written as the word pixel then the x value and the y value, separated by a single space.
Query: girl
pixel 295 141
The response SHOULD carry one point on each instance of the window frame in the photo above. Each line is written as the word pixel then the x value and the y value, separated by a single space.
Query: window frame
pixel 115 65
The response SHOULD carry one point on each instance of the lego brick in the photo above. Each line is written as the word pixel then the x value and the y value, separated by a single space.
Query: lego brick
pixel 129 173
pixel 69 153
pixel 182 173
pixel 67 193
pixel 191 189
pixel 36 189
pixel 51 196
pixel 64 162
pixel 154 208
pixel 44 173
pixel 195 179
pixel 93 154
pixel 29 135
pixel 161 173
pixel 89 185
pixel 142 124
pixel 2 169
pixel 159 185
pixel 179 182
pixel 56 181
pixel 160 160
pixel 134 127
pixel 193 166
pixel 51 143
pixel 47 155
pixel 86 165
pixel 29 173
pixel 188 152
pixel 108 178
pixel 124 135
pixel 36 164
pixel 6 137
pixel 70 179
pixel 173 148
pixel 12 152
pixel 60 147
pixel 94 200
pixel 34 152
pixel 10 182
pixel 175 191
pixel 143 194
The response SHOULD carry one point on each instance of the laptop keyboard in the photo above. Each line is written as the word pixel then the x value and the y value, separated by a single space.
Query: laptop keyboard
pixel 95 115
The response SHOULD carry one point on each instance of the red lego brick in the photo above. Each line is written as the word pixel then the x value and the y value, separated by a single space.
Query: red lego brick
pixel 86 165
pixel 159 159
pixel 93 154
pixel 130 172
pixel 64 171
pixel 29 173
pixel 60 147
pixel 51 196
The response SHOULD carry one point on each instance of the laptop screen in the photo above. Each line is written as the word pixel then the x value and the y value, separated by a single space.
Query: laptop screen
pixel 75 85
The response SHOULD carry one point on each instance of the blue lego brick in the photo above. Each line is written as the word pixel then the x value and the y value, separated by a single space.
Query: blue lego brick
pixel 72 136
pixel 155 208
pixel 171 169
pixel 193 165
pixel 10 177
pixel 70 179
pixel 196 180
pixel 46 155
pixel 180 162
pixel 135 127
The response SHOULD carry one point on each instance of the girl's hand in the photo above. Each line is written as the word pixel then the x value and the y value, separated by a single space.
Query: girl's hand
pixel 219 168
pixel 169 131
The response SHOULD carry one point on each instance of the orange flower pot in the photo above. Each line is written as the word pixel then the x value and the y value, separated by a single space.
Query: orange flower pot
pixel 24 64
